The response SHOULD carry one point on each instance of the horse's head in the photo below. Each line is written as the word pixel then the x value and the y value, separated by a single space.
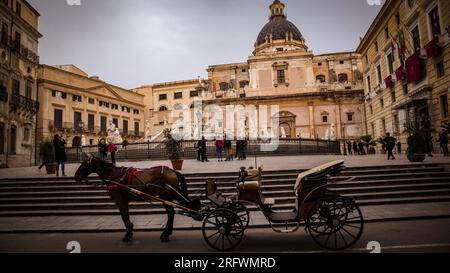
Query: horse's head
pixel 85 169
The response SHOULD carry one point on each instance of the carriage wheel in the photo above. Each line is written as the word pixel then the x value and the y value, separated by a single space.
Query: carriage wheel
pixel 336 224
pixel 223 229
pixel 243 213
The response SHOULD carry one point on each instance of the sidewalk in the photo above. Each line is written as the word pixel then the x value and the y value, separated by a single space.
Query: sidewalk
pixel 91 224
pixel 268 163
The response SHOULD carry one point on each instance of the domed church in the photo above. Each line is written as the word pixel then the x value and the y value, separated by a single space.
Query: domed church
pixel 314 92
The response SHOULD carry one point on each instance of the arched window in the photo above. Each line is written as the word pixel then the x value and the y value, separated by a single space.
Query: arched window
pixel 321 79
pixel 163 109
pixel 223 86
pixel 343 78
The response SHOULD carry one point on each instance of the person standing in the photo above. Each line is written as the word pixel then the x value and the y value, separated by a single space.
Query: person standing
pixel 202 146
pixel 219 149
pixel 399 147
pixel 355 148
pixel 199 150
pixel 112 149
pixel 390 145
pixel 443 141
pixel 102 149
pixel 244 149
pixel 349 147
pixel 227 146
pixel 60 154
pixel 360 148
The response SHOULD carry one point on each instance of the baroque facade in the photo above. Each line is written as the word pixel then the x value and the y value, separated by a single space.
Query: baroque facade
pixel 406 66
pixel 80 108
pixel 18 74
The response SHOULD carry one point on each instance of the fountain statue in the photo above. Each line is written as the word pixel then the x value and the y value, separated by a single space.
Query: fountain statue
pixel 331 133
pixel 83 140
pixel 283 132
pixel 114 134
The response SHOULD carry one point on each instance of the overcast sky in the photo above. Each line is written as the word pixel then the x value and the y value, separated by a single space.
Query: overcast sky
pixel 137 42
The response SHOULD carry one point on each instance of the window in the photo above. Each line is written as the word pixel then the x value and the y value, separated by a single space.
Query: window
pixel 136 129
pixel 396 124
pixel 194 94
pixel 321 79
pixel 91 122
pixel 350 117
pixel 91 101
pixel 103 124
pixel 383 124
pixel 104 104
pixel 415 36
pixel 178 95
pixel 435 24
pixel 367 59
pixel 397 19
pixel 393 96
pixel 114 106
pixel 5 31
pixel 136 111
pixel 116 122
pixel 405 89
pixel 380 80
pixel 162 97
pixel 163 109
pixel 281 77
pixel 18 8
pixel 319 64
pixel 372 126
pixel 2 138
pixel 224 86
pixel 390 62
pixel 125 127
pixel 244 70
pixel 371 109
pixel 58 118
pixel 59 94
pixel 29 90
pixel 77 98
pixel 325 119
pixel 343 78
pixel 341 62
pixel 279 49
pixel 26 134
pixel 13 140
pixel 15 87
pixel 440 69
pixel 243 84
pixel 126 109
pixel 3 87
pixel 444 106
pixel 382 103
pixel 77 120
pixel 386 33
pixel 369 85
pixel 376 46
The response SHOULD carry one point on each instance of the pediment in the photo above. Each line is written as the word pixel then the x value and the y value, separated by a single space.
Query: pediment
pixel 105 91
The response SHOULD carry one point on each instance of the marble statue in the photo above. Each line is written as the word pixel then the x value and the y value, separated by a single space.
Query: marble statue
pixel 283 132
pixel 83 140
pixel 331 133
pixel 114 134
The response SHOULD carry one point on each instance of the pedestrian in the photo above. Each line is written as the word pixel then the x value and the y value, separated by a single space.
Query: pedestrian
pixel 430 149
pixel 360 148
pixel 228 153
pixel 390 145
pixel 203 147
pixel 349 147
pixel 112 149
pixel 399 147
pixel 443 141
pixel 102 149
pixel 199 150
pixel 60 154
pixel 219 149
pixel 239 149
pixel 356 151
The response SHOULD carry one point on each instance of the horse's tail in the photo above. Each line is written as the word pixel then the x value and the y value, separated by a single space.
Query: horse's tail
pixel 182 185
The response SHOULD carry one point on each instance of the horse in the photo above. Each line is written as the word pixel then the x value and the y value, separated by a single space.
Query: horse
pixel 155 181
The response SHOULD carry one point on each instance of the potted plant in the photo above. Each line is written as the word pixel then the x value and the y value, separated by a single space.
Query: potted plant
pixel 174 149
pixel 417 142
pixel 370 144
pixel 47 152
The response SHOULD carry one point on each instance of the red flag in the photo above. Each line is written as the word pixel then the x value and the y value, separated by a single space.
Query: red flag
pixel 413 68
pixel 399 73
pixel 432 48
pixel 388 81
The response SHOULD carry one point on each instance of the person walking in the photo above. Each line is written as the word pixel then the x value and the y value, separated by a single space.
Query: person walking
pixel 390 145
pixel 102 149
pixel 219 149
pixel 349 147
pixel 199 150
pixel 202 146
pixel 112 149
pixel 60 154
pixel 399 147
pixel 443 141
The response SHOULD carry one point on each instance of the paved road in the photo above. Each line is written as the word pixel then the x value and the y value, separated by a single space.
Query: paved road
pixel 401 236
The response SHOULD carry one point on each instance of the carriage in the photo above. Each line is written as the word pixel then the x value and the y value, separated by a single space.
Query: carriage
pixel 334 222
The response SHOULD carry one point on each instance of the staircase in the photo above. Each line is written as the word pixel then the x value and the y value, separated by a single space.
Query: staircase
pixel 367 185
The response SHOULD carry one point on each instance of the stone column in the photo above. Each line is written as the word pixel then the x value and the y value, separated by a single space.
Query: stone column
pixel 338 121
pixel 311 120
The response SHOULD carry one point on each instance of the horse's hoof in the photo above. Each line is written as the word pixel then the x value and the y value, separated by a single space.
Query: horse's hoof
pixel 165 238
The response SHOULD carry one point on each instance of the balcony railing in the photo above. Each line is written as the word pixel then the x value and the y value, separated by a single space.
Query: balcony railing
pixel 21 103
pixel 16 46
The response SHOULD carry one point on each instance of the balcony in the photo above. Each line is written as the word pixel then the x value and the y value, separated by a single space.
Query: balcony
pixel 7 41
pixel 23 104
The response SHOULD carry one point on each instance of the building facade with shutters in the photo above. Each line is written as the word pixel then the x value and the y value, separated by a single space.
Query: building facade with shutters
pixel 18 74
pixel 406 60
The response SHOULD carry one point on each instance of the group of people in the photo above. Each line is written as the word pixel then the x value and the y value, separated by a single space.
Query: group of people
pixel 59 143
pixel 224 150
pixel 105 148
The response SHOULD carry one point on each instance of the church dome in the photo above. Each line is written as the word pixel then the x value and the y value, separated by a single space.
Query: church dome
pixel 278 26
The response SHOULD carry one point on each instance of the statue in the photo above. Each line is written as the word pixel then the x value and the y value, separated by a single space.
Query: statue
pixel 331 133
pixel 114 134
pixel 283 132
pixel 83 140
pixel 148 134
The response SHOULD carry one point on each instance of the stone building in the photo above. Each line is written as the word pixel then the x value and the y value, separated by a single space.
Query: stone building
pixel 76 105
pixel 406 62
pixel 18 74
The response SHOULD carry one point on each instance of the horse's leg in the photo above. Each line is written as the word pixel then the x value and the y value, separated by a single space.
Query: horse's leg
pixel 122 204
pixel 168 230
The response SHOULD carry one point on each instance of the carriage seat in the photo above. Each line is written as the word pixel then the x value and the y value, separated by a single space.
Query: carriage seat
pixel 315 171
pixel 250 185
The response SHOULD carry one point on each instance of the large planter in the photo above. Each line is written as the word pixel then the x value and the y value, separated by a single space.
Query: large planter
pixel 177 165
pixel 50 168
pixel 416 157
